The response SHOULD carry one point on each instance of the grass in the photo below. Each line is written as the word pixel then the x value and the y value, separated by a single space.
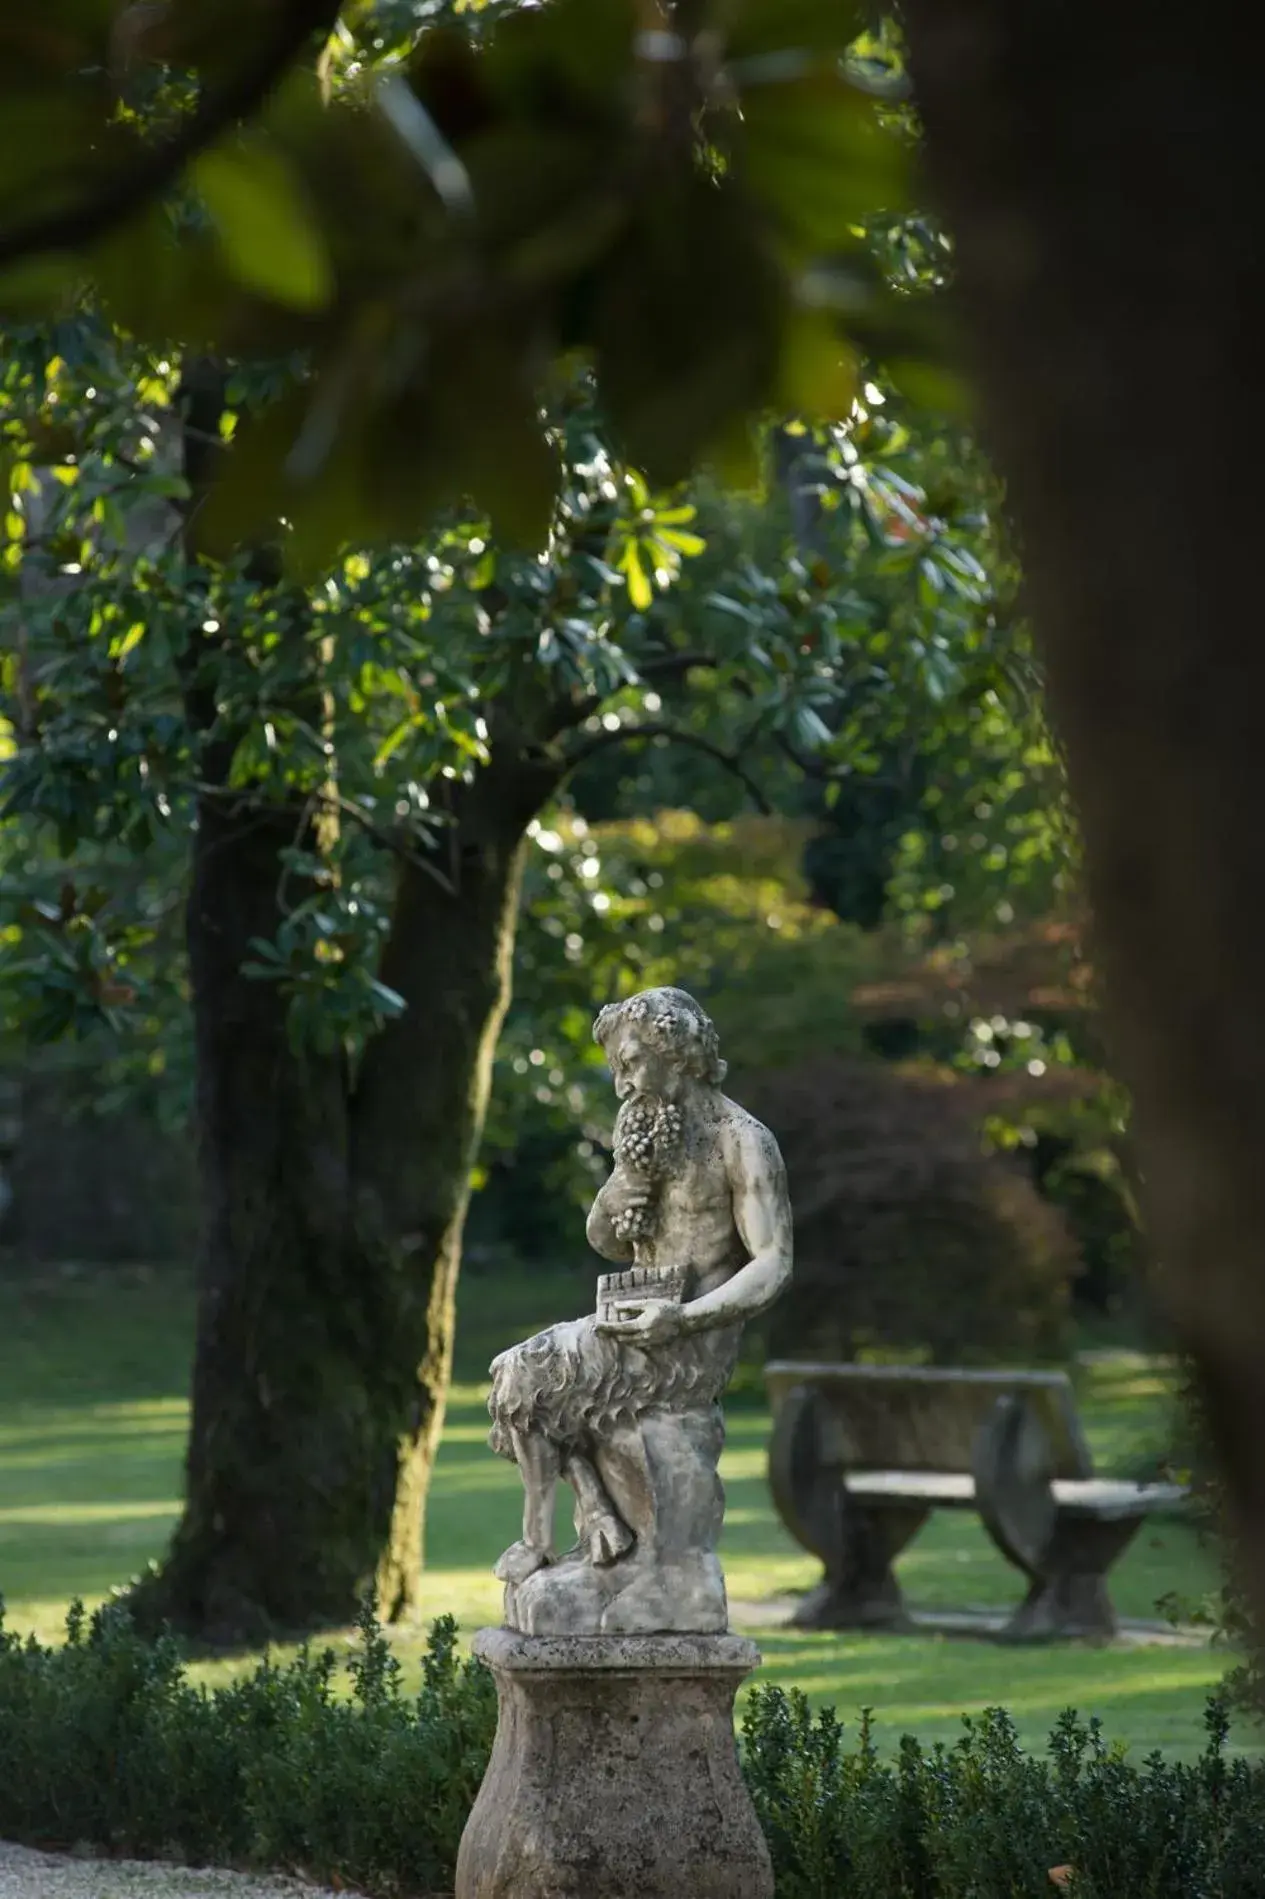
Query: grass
pixel 93 1370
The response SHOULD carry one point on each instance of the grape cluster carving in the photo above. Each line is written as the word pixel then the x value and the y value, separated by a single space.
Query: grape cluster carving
pixel 648 1137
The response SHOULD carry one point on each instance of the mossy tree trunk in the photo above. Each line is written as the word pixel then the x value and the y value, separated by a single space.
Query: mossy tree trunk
pixel 333 1211
pixel 1100 179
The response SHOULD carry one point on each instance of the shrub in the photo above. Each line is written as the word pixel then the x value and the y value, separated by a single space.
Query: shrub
pixel 106 1743
pixel 909 1237
pixel 984 1820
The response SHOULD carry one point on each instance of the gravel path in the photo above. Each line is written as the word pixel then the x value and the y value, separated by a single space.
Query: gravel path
pixel 28 1875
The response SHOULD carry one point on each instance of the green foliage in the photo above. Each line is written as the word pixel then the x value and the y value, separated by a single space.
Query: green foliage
pixel 430 222
pixel 984 1820
pixel 1076 1143
pixel 106 1744
pixel 105 1741
pixel 721 909
pixel 348 710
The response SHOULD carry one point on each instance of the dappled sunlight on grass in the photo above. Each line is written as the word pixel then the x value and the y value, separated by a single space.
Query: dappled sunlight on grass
pixel 87 1512
pixel 924 1684
pixel 92 1429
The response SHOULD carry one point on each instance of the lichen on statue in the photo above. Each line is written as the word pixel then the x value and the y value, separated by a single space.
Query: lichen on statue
pixel 624 1403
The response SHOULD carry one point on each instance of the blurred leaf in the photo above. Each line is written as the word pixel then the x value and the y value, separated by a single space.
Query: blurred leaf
pixel 37 286
pixel 817 155
pixel 565 60
pixel 735 456
pixel 267 227
pixel 248 497
pixel 687 327
pixel 929 385
pixel 501 454
pixel 161 288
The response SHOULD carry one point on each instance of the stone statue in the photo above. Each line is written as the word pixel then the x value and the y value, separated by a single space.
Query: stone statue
pixel 624 1404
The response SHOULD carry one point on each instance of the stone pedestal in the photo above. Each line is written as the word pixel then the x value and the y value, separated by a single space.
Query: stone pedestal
pixel 615 1772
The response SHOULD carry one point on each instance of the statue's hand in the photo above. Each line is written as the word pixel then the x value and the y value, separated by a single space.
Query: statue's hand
pixel 654 1322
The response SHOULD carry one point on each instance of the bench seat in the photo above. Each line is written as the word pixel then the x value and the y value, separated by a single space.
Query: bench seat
pixel 861 1454
pixel 949 1490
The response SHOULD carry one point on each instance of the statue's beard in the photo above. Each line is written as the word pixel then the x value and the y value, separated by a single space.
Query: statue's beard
pixel 649 1136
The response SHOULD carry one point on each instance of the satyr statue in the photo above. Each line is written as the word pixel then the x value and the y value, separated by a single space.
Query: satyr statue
pixel 624 1404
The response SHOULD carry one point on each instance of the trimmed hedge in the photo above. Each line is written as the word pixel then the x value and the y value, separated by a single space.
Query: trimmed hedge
pixel 106 1744
pixel 985 1820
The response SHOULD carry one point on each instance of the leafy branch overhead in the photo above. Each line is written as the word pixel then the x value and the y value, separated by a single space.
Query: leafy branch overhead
pixel 429 230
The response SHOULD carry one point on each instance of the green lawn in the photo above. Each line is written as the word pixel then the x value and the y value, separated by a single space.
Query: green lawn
pixel 92 1418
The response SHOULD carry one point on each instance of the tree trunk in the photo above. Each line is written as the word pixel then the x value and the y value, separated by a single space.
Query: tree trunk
pixel 332 1233
pixel 1099 177
pixel 418 1117
pixel 279 1497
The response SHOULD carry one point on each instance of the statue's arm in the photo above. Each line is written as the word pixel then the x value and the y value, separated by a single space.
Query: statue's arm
pixel 762 1214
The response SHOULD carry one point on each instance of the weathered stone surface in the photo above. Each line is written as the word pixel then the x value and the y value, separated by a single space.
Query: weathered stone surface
pixel 861 1455
pixel 615 1772
pixel 660 1474
pixel 623 1404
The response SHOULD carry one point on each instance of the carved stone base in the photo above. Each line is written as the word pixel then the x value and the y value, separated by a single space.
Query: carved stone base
pixel 660 1475
pixel 637 1595
pixel 615 1772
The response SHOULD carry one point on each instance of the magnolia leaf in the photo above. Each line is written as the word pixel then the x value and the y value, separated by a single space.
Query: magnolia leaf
pixel 810 728
pixel 388 1000
pixel 683 543
pixel 640 591
pixel 265 223
pixel 392 742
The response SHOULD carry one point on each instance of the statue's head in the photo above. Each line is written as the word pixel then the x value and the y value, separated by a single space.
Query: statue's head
pixel 657 1040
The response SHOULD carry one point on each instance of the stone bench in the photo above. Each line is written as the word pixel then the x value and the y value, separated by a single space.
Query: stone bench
pixel 861 1455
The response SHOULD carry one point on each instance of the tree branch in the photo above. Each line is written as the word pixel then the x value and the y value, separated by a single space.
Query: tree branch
pixel 79 224
pixel 392 839
pixel 666 665
pixel 629 734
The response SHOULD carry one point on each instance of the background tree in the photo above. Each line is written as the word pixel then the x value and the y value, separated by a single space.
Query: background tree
pixel 356 767
pixel 1080 318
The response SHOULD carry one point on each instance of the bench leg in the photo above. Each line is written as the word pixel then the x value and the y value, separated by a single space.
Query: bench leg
pixel 857 1542
pixel 859 1589
pixel 1069 1597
